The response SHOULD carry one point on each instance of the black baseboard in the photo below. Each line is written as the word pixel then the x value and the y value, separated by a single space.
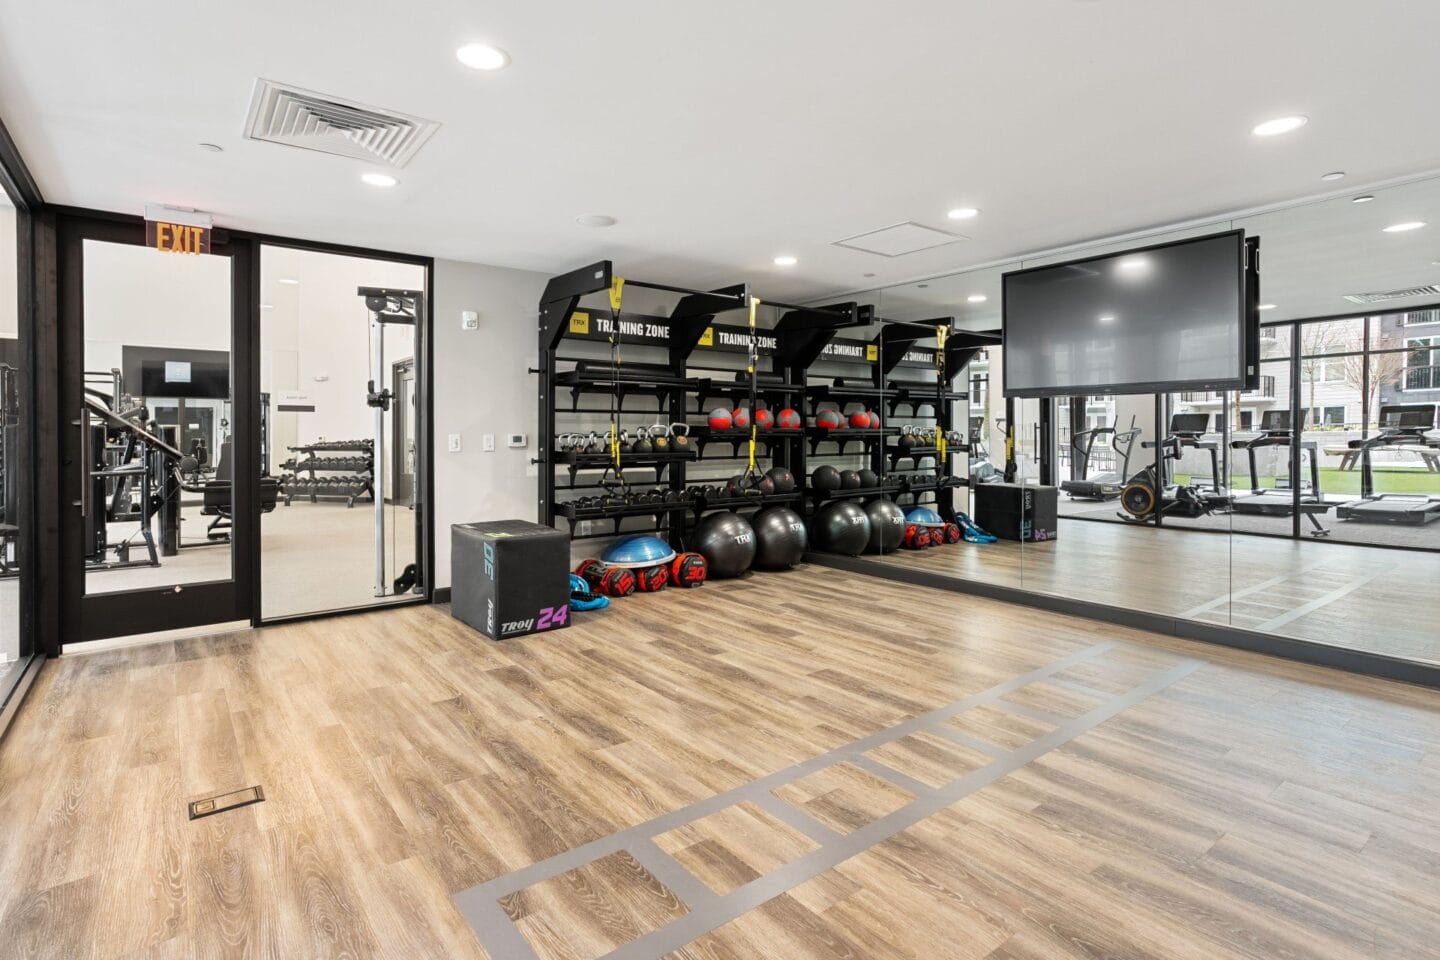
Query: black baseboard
pixel 441 595
pixel 1304 651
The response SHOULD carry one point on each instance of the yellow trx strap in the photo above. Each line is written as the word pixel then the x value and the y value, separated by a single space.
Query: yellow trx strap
pixel 940 456
pixel 617 290
pixel 750 368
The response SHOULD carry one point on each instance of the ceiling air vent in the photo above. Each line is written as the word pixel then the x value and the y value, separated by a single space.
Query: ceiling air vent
pixel 1428 291
pixel 318 121
pixel 899 239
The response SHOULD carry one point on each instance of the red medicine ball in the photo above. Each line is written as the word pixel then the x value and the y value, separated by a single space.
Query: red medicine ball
pixel 787 419
pixel 764 420
pixel 688 570
pixel 617 582
pixel 860 418
pixel 874 420
pixel 829 419
pixel 720 419
pixel 740 417
pixel 651 579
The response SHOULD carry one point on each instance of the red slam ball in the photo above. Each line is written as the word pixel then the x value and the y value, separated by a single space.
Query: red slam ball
pixel 829 419
pixel 740 417
pixel 874 420
pixel 763 419
pixel 860 419
pixel 720 419
pixel 787 419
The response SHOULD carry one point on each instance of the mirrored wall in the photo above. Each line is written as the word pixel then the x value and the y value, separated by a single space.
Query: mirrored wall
pixel 1307 508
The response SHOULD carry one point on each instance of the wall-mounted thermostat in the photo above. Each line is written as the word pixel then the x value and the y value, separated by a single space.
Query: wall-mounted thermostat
pixel 515 440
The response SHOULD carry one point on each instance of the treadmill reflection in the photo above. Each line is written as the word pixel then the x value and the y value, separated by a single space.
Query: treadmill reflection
pixel 1275 431
pixel 1401 424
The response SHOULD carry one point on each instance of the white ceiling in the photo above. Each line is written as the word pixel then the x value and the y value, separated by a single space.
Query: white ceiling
pixel 721 135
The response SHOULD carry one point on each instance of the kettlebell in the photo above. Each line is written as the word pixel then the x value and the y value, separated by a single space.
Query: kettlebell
pixel 641 443
pixel 594 444
pixel 659 438
pixel 680 436
pixel 907 437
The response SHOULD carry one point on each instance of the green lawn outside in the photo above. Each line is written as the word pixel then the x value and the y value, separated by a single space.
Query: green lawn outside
pixel 1333 480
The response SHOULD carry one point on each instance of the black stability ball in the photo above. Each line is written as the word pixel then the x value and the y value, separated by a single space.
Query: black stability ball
pixel 779 538
pixel 825 478
pixel 887 526
pixel 783 479
pixel 726 542
pixel 869 478
pixel 841 527
pixel 850 480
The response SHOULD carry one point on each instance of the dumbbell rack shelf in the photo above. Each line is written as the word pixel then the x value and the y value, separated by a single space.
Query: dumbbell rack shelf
pixel 355 478
pixel 738 437
pixel 916 454
pixel 577 461
pixel 844 436
pixel 886 489
pixel 704 504
pixel 617 512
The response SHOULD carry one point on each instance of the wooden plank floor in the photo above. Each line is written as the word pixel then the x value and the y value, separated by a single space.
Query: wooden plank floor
pixel 1254 808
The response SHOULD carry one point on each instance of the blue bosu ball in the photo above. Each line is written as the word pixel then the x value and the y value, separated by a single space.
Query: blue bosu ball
pixel 923 517
pixel 636 551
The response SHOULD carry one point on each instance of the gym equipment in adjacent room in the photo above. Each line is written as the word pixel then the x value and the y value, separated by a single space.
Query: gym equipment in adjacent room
pixel 1401 425
pixel 1146 496
pixel 841 526
pixel 727 542
pixel 133 476
pixel 1107 484
pixel 387 307
pixel 1276 431
pixel 780 539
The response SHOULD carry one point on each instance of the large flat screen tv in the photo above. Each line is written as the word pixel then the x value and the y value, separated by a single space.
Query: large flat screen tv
pixel 176 373
pixel 1164 318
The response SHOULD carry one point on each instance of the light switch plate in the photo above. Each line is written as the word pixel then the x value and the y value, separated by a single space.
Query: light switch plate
pixel 454 443
pixel 469 320
pixel 488 443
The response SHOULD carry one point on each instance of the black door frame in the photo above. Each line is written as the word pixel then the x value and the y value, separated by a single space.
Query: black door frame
pixel 147 610
pixel 52 423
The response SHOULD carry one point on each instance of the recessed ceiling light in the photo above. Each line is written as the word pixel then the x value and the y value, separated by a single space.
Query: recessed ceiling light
pixel 785 261
pixel 212 147
pixel 1333 175
pixel 1266 306
pixel 1405 227
pixel 1133 264
pixel 482 56
pixel 379 179
pixel 869 274
pixel 267 306
pixel 977 298
pixel 288 281
pixel 1279 125
pixel 596 220
pixel 963 213
pixel 1108 318
pixel 922 286
pixel 1363 199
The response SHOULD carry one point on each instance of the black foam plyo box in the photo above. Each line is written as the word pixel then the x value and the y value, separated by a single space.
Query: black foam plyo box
pixel 509 578
pixel 1014 511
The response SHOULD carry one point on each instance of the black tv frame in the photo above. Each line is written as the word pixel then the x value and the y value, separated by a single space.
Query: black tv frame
pixel 1248 320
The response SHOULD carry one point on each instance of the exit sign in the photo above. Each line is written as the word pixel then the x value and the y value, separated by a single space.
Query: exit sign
pixel 177 231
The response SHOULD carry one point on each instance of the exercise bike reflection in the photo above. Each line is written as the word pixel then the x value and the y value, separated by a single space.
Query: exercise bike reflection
pixel 1146 497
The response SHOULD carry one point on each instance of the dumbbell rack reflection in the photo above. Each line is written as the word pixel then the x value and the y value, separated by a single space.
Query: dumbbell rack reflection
pixel 354 469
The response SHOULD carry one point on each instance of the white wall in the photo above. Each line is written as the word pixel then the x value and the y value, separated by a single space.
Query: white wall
pixel 481 386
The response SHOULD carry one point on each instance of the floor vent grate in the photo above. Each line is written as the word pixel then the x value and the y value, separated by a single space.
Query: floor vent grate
pixel 225 801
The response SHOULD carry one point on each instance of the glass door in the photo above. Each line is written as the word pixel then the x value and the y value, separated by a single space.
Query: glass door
pixel 158 399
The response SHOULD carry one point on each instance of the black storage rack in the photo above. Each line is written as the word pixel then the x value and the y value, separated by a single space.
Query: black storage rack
pixel 800 339
pixel 354 472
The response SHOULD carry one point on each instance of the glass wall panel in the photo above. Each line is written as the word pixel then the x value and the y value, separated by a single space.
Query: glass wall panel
pixel 14 452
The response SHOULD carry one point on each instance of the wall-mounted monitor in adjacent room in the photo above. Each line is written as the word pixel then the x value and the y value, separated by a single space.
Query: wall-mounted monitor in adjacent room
pixel 1156 319
pixel 166 372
